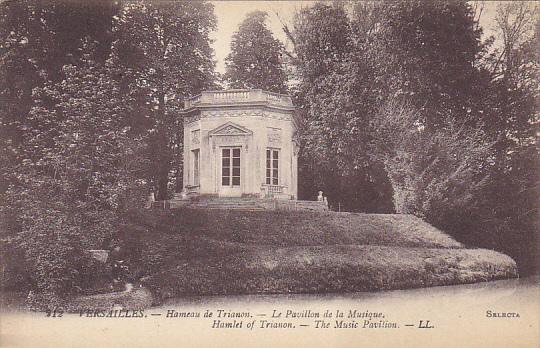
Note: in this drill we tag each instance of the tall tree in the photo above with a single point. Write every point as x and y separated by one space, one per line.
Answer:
93 123
255 60
334 89
428 53
435 174
491 95
321 36
510 215
350 67
164 49
37 38
465 156
79 173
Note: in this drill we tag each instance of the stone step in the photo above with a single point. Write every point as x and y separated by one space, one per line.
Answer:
236 203
226 205
239 202
233 208
228 202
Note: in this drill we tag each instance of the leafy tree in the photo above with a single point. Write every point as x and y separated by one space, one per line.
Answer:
434 175
36 39
493 100
80 170
334 91
164 52
515 23
90 124
328 90
427 53
321 36
255 60
349 67
514 70
338 139
510 199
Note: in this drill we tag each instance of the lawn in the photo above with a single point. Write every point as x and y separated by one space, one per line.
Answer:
196 252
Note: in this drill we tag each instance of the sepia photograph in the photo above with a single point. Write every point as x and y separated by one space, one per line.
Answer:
269 173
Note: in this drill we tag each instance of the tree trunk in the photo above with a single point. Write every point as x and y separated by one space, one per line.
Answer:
163 164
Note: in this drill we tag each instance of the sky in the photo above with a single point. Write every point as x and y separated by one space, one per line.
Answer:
231 13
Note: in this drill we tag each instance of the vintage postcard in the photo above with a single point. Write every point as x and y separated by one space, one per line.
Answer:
269 173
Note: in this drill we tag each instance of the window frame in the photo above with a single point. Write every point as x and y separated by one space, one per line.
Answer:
231 173
273 167
196 155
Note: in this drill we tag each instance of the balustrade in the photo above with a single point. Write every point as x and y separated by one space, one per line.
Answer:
240 96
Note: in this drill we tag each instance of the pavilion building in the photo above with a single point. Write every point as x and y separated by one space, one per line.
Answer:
240 143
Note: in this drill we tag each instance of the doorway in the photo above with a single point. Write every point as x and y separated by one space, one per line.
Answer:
231 180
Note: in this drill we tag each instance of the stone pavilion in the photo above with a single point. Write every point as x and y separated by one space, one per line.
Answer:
240 143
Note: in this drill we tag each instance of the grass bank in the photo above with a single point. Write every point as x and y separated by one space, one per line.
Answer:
214 252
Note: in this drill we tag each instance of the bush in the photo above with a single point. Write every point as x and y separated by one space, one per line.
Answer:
15 273
53 241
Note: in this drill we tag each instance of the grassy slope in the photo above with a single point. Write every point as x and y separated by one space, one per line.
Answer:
199 251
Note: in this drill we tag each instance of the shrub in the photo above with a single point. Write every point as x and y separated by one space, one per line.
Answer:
15 274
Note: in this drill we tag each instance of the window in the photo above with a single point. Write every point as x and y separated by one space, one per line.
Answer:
272 167
230 167
196 167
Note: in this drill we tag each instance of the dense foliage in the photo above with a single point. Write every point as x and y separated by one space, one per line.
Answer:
255 60
404 99
162 49
100 129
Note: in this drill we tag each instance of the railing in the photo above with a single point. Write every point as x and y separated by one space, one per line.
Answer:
239 96
229 95
272 190
193 101
190 189
278 98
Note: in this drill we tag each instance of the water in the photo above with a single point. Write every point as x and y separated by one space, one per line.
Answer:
458 315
